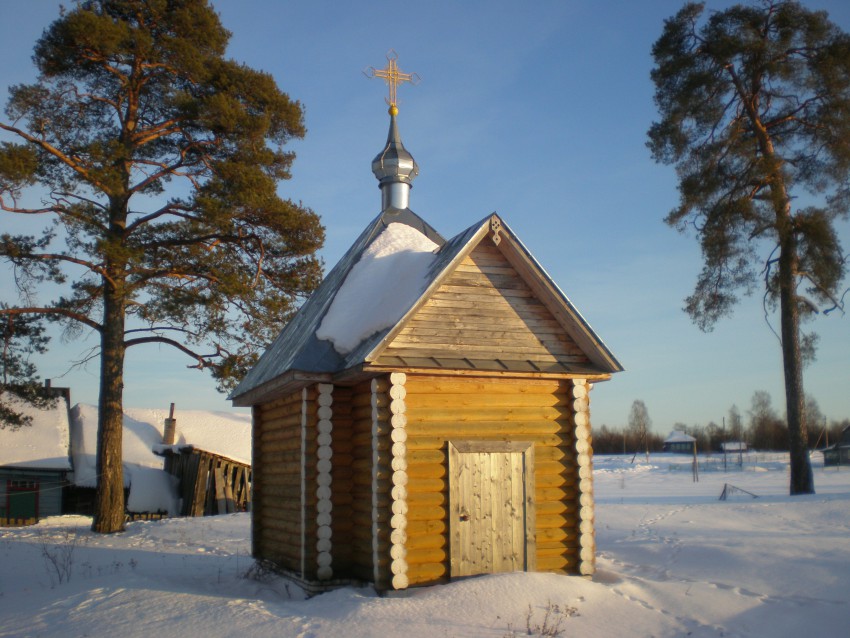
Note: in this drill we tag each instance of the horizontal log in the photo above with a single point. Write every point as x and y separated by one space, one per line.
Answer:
272 415
290 444
555 534
286 400
555 480
493 415
422 485
283 531
381 400
426 573
278 470
431 541
270 434
427 499
568 553
366 412
540 432
363 441
426 528
418 439
556 454
556 508
564 494
433 384
483 400
424 513
563 466
363 468
417 456
557 563
568 521
426 555
427 470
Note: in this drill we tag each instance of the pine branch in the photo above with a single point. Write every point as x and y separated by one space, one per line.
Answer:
55 312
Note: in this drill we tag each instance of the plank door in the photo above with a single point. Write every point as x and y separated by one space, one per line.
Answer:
491 508
22 496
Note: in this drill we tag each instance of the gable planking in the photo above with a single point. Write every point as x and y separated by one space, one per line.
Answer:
485 312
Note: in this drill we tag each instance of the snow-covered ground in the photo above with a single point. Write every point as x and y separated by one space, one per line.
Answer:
673 561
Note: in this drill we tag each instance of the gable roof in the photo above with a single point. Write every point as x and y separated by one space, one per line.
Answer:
298 355
677 436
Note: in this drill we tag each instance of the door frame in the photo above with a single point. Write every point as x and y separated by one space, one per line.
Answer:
526 450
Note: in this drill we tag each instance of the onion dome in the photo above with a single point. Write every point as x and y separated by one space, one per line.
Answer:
395 168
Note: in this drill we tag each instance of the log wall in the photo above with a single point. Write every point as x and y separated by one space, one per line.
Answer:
439 409
280 523
359 540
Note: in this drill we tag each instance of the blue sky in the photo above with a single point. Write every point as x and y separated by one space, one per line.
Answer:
537 111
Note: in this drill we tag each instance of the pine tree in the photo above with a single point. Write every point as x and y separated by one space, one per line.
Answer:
22 337
158 160
755 112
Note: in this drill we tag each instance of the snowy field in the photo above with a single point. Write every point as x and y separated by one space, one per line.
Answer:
673 560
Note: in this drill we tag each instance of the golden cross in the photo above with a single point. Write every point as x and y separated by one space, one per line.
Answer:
393 77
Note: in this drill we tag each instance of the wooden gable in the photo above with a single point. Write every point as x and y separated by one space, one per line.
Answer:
485 316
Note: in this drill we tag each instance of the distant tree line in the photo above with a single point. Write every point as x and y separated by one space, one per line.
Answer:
764 429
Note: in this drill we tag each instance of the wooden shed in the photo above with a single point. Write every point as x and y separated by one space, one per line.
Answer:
838 453
431 424
679 443
207 483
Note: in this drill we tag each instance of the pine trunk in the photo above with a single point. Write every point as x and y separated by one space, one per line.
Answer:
802 480
109 497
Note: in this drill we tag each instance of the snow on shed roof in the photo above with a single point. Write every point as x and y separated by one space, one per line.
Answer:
42 445
677 436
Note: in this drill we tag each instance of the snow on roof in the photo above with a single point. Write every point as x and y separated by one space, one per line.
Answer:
226 434
677 436
391 275
151 489
42 445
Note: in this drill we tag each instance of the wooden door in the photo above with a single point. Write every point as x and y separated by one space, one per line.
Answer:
491 507
22 497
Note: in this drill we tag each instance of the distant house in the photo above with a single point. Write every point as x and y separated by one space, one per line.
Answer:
838 453
733 447
35 463
679 443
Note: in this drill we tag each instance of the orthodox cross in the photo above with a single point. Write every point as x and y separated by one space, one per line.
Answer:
393 77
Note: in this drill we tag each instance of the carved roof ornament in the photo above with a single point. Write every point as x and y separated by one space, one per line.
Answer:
393 76
496 227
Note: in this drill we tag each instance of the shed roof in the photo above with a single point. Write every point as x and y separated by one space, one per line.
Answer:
41 445
298 355
677 436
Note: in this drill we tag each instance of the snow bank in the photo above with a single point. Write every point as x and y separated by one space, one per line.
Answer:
42 445
390 276
672 561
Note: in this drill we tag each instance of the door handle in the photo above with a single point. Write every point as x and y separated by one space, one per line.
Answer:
464 517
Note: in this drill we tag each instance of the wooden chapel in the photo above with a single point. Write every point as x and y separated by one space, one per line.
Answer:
425 415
